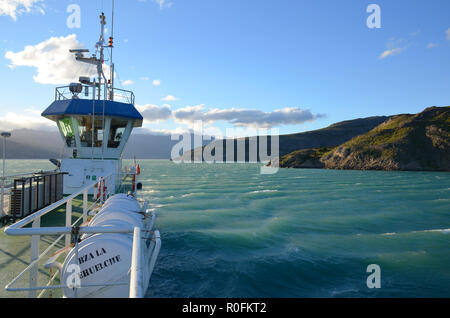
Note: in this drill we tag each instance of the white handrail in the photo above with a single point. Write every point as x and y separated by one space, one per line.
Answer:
68 230
136 272
157 240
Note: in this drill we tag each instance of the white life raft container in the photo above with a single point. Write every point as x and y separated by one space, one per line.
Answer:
117 211
105 258
123 200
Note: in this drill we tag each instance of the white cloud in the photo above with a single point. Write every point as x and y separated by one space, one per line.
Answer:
54 63
156 82
145 78
395 47
238 117
244 117
127 83
163 3
29 118
189 114
432 45
154 113
394 51
170 98
448 34
13 8
162 132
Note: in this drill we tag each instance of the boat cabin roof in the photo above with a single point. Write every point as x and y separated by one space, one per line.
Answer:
83 107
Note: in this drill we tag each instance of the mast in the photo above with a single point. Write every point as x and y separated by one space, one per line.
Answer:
102 57
111 39
100 46
93 59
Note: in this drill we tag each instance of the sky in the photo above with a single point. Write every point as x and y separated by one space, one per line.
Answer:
293 65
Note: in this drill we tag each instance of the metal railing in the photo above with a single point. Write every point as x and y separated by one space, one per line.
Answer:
120 95
136 286
7 183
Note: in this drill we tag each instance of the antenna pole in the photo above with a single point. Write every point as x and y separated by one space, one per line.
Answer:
102 57
111 94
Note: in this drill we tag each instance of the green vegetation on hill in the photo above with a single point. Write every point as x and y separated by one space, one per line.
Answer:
404 142
306 158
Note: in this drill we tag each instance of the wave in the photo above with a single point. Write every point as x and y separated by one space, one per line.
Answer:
157 206
187 195
148 191
443 231
264 191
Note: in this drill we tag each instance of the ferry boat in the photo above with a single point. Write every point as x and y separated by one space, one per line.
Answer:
109 249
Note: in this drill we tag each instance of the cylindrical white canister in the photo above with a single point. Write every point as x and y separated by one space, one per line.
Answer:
104 258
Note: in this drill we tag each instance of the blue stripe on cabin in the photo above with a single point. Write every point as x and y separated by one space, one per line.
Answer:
84 107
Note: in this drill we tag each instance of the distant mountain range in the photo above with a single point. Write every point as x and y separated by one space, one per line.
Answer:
35 144
418 142
331 136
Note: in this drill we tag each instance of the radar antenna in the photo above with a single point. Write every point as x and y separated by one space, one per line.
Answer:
99 61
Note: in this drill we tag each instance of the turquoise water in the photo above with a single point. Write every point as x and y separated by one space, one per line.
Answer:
228 231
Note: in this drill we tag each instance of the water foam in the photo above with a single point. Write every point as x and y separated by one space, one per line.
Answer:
264 191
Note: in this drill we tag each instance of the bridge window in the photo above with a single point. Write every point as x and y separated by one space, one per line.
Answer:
85 131
116 132
65 125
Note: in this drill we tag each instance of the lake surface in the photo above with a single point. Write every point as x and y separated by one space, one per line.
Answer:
228 231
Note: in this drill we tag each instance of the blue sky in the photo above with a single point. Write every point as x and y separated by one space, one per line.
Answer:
233 60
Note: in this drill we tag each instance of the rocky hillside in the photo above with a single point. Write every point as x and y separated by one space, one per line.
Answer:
404 142
305 158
